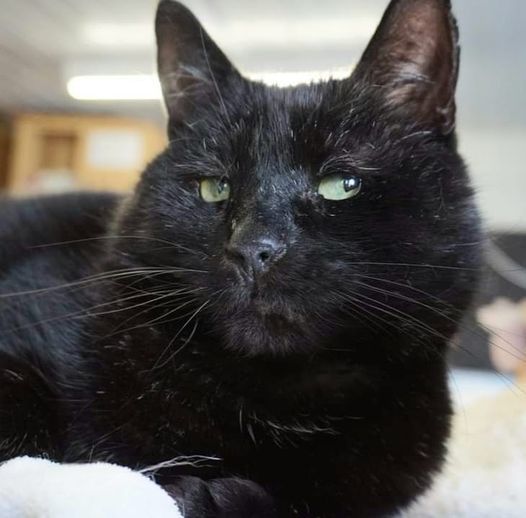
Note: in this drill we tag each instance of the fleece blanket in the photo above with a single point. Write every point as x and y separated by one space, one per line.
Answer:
485 476
38 488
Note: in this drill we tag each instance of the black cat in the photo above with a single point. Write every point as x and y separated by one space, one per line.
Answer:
272 306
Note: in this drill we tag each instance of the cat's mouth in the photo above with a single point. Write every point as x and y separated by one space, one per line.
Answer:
267 316
273 333
267 324
274 310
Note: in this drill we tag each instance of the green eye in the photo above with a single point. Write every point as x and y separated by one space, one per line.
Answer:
339 187
214 190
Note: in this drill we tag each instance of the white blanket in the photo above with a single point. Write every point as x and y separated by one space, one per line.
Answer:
37 488
485 476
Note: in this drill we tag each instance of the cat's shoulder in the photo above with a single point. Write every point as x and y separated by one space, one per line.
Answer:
76 205
28 223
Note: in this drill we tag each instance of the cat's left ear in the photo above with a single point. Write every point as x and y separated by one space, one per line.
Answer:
413 60
192 69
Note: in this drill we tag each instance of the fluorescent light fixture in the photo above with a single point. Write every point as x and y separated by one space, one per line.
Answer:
144 87
130 36
245 33
278 33
138 87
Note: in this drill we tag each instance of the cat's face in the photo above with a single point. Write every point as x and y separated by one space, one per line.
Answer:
294 208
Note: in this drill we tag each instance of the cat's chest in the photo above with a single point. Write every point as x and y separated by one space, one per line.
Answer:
210 420
205 405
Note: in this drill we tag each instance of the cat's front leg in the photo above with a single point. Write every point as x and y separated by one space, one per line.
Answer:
221 498
29 411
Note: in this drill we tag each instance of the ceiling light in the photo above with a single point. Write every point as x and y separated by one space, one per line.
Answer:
143 87
245 33
123 36
299 33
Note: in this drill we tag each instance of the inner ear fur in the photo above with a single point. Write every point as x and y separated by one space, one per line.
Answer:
413 60
192 68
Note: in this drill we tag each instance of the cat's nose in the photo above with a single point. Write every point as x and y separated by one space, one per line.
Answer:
256 257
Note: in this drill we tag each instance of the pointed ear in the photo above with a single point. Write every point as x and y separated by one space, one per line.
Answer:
192 69
413 58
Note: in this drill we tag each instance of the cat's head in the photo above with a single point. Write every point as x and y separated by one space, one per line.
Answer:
295 210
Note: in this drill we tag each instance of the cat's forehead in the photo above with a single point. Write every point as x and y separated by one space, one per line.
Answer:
264 131
275 122
288 107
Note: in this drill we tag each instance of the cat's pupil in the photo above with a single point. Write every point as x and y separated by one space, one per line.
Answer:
222 185
351 183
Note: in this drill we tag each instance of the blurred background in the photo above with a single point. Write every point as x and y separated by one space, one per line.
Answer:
68 57
80 108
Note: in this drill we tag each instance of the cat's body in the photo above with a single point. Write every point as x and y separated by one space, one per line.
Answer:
267 325
293 426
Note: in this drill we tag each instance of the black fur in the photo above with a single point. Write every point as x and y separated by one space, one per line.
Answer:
314 387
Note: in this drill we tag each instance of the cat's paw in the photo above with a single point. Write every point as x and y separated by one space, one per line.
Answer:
221 498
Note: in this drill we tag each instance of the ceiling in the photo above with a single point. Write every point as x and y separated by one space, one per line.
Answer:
44 42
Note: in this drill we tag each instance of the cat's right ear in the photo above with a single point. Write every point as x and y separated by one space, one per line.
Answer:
192 69
412 61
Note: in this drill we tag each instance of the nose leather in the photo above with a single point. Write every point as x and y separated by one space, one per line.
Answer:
255 256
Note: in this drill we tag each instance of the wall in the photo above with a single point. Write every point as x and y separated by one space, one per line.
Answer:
497 161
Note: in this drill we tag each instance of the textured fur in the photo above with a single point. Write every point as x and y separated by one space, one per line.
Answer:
318 386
